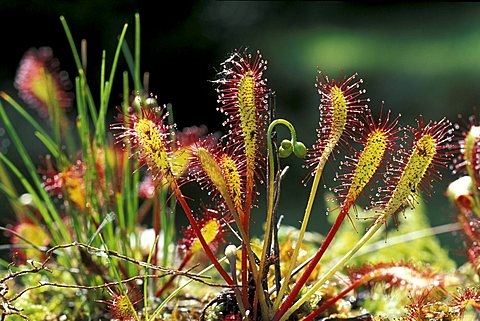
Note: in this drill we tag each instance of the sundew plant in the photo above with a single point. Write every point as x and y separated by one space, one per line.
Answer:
94 234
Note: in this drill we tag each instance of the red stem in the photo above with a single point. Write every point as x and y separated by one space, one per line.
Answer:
169 282
330 302
198 232
313 263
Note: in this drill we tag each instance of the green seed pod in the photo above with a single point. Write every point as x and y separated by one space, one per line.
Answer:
286 144
300 150
285 149
284 153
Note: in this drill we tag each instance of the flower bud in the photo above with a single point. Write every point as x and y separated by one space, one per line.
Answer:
284 153
285 148
286 144
300 150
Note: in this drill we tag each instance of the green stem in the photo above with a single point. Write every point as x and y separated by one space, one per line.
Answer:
306 217
128 186
78 63
136 78
404 238
52 212
159 202
271 185
164 224
32 122
145 280
84 126
115 62
114 266
316 258
47 217
105 89
124 196
127 54
76 56
168 226
54 115
12 192
340 264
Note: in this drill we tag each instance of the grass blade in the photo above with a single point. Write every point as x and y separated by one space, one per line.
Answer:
78 62
47 142
100 123
34 124
137 83
33 174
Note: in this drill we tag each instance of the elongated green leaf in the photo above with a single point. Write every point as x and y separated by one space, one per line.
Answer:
100 123
78 62
36 199
32 172
137 82
34 124
47 142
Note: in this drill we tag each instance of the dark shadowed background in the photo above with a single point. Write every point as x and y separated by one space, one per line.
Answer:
419 58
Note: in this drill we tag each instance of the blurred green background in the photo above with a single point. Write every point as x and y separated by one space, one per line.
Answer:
420 58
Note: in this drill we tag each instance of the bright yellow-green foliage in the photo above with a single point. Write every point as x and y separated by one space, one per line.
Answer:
209 233
339 106
232 178
179 161
152 146
339 120
368 162
214 172
417 165
248 118
43 85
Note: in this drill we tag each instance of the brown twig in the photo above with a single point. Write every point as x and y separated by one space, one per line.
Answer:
120 256
105 285
7 308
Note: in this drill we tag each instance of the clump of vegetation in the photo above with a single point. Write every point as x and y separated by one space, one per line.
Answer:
95 233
